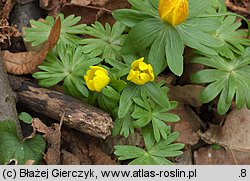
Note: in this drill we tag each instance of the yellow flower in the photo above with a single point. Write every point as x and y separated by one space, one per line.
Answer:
97 78
173 12
140 72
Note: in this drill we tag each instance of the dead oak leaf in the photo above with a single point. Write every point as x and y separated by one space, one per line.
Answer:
26 62
234 134
208 156
53 137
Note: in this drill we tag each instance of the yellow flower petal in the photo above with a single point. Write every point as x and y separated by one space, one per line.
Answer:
165 7
144 77
97 78
143 66
140 72
100 82
90 85
135 64
131 74
173 12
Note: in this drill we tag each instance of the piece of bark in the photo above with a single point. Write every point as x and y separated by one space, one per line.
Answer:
77 115
7 100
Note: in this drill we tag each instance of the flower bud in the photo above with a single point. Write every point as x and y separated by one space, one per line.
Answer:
97 78
173 12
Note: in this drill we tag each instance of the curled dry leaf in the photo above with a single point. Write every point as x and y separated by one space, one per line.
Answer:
99 157
53 137
235 132
233 135
26 62
208 156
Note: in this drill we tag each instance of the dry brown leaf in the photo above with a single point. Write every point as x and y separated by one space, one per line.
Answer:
81 2
235 132
188 125
99 157
208 156
53 137
186 158
108 144
77 146
26 62
188 94
69 159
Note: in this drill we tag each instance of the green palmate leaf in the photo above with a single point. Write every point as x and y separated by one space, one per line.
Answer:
156 55
223 105
123 126
212 90
156 94
39 31
159 129
233 80
130 17
148 136
192 37
118 85
145 6
234 39
168 117
119 69
141 122
174 50
111 93
66 63
208 75
143 34
155 154
25 117
126 100
128 152
107 42
166 41
208 24
106 103
148 113
13 148
197 7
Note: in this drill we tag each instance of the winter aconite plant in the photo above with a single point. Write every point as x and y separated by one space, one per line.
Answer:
39 31
116 67
165 27
229 78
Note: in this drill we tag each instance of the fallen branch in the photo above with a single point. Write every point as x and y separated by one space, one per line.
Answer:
77 115
7 100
